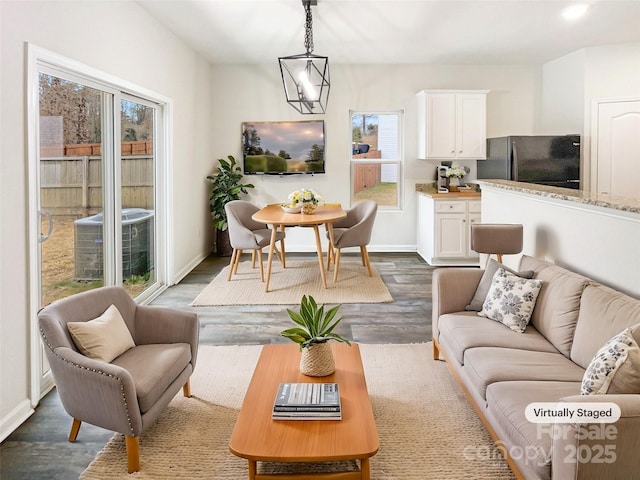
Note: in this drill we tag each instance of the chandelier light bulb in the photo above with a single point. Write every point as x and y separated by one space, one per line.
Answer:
307 88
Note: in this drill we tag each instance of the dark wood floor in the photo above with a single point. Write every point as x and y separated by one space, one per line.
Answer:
39 448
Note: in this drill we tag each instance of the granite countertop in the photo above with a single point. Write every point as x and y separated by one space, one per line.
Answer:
625 204
430 190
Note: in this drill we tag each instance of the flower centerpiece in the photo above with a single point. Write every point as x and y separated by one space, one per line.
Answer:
454 174
307 199
314 330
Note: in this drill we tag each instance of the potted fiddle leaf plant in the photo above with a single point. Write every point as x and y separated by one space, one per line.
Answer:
226 185
315 329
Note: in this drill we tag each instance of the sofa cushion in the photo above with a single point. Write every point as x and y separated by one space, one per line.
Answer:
615 367
556 311
510 300
153 368
506 403
485 283
460 331
103 338
486 365
603 314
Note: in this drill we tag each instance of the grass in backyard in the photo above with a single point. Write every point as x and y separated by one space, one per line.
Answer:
385 193
57 266
65 288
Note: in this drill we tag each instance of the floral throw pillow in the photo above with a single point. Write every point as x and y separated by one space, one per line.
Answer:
615 368
511 300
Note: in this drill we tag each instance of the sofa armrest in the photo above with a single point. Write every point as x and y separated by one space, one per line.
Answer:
452 290
167 325
96 392
599 450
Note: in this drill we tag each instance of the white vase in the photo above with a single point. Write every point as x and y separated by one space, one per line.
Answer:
453 183
317 360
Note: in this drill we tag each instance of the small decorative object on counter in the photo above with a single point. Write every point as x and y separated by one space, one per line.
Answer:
454 174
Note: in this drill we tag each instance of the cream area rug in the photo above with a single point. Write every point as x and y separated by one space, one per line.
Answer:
426 427
288 285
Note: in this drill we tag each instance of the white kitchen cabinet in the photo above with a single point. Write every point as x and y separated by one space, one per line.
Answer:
452 124
444 230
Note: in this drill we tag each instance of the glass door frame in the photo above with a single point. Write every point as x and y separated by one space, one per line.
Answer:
42 60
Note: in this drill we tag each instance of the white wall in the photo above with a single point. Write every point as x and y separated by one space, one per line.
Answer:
120 39
512 107
563 84
597 242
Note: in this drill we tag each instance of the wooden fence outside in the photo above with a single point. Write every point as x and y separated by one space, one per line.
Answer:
365 176
72 185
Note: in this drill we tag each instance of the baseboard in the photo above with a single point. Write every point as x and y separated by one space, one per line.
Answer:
15 418
187 269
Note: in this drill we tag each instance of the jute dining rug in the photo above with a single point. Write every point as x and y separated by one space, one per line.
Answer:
288 285
426 428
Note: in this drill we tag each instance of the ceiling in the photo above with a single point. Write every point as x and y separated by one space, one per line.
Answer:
396 31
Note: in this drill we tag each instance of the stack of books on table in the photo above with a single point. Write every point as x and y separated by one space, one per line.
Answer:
307 401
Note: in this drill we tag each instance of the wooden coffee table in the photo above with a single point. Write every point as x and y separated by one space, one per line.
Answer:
257 437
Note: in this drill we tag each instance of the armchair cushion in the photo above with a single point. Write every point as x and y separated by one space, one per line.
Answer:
103 338
153 368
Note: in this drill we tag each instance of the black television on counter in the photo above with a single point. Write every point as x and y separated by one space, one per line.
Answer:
283 148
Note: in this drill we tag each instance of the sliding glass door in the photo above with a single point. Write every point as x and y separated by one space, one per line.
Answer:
137 195
98 192
96 199
71 133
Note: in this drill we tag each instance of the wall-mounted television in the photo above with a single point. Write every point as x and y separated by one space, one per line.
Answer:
283 148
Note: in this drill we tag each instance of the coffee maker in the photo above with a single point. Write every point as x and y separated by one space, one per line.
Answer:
441 179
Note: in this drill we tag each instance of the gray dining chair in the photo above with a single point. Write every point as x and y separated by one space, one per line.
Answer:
247 234
353 231
128 392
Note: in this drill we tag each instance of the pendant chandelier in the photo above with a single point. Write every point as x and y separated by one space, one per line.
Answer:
306 76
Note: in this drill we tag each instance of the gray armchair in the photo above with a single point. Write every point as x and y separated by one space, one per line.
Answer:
353 231
247 234
127 394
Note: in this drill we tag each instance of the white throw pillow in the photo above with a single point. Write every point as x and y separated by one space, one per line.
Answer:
485 283
615 368
511 300
103 338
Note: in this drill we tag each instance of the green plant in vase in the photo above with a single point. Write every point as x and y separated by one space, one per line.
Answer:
226 185
315 329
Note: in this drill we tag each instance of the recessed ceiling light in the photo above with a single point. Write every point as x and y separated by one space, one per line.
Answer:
575 11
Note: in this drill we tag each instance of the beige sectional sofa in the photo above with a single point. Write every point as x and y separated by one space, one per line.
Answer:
503 371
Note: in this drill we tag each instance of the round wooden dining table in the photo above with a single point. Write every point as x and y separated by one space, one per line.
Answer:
275 216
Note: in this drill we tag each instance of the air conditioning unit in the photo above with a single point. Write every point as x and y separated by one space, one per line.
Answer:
137 244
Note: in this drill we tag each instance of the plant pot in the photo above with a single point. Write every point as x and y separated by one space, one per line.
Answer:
317 360
223 244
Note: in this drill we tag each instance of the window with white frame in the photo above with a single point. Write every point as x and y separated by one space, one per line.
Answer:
376 157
